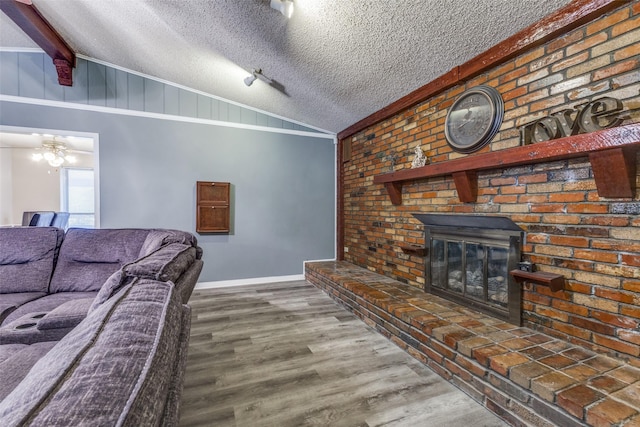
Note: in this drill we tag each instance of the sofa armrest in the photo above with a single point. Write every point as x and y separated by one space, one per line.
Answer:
119 359
67 315
23 330
188 280
166 264
171 415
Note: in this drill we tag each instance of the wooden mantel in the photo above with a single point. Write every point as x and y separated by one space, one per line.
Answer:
612 153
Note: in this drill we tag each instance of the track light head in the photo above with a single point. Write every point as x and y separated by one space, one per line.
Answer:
283 6
252 78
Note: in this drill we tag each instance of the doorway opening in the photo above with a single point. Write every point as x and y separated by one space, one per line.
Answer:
29 182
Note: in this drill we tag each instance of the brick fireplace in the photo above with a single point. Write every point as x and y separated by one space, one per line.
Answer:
573 231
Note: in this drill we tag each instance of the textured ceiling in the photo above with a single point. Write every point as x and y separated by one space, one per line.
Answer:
337 61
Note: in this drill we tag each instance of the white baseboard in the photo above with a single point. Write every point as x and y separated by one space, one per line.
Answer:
245 282
256 280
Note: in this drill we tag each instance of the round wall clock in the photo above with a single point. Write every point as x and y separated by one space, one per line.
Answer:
474 119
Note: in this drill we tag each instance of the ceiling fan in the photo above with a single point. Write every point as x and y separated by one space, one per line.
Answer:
54 151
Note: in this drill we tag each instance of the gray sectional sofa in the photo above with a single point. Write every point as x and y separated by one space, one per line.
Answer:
94 325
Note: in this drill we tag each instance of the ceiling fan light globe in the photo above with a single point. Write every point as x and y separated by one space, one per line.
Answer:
56 162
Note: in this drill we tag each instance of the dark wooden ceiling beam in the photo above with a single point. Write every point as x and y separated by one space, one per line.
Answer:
29 19
571 16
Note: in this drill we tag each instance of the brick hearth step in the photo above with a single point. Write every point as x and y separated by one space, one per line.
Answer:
526 377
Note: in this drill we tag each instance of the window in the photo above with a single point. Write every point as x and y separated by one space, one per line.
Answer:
78 197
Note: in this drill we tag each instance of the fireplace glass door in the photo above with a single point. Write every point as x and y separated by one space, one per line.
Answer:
472 269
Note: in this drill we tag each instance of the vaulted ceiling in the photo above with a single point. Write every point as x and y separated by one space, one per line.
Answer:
332 63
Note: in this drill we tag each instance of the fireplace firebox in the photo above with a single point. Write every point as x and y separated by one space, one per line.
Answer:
468 259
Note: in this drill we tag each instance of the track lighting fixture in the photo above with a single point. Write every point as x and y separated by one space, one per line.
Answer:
252 78
285 7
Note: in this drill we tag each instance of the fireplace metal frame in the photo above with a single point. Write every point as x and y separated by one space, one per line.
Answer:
494 232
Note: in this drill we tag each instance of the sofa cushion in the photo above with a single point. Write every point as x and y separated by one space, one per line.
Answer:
6 351
27 258
46 304
88 257
10 302
118 362
15 362
158 238
66 315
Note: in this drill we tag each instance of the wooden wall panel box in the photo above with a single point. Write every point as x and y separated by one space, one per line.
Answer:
212 207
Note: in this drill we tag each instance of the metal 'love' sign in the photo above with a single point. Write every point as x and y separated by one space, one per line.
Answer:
596 115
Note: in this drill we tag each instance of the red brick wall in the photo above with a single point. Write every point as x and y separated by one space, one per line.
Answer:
594 242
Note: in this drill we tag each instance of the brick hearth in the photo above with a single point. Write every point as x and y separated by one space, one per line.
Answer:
524 376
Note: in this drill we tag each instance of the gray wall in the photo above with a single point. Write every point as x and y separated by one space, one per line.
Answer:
282 185
283 197
32 75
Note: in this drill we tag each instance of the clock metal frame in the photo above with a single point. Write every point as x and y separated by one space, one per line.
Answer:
493 121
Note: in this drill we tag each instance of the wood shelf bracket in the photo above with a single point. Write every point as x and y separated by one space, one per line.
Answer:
467 185
614 171
395 192
552 280
414 250
65 72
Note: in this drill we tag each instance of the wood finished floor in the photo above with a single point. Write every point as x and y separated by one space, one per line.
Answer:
286 354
